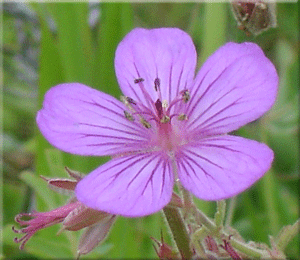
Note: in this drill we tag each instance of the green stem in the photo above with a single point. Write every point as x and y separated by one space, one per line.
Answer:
230 211
269 188
202 219
179 231
247 250
220 214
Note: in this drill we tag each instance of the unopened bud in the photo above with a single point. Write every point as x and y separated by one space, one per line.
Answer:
254 16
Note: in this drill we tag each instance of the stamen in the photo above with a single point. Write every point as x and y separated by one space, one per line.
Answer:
185 95
128 116
124 100
127 100
165 119
145 123
138 80
165 104
182 117
157 87
138 109
159 108
148 98
157 84
130 101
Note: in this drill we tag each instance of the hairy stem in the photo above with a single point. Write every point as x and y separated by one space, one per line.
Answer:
179 231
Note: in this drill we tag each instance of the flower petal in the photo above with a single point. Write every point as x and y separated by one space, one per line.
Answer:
222 166
236 85
81 120
166 53
130 186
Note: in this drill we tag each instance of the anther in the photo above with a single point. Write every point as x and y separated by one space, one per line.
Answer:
128 116
157 84
164 103
124 100
185 95
139 80
182 117
145 123
127 100
130 100
159 108
165 119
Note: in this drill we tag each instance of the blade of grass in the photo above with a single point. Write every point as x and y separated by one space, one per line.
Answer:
74 40
116 21
214 29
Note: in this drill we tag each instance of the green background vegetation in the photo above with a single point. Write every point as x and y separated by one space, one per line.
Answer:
48 44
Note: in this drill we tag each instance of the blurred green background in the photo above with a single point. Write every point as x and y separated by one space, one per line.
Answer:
51 43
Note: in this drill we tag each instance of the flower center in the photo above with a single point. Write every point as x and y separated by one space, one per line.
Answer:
168 136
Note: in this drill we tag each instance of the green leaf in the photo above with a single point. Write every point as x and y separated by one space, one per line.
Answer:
116 21
47 199
214 29
74 40
55 162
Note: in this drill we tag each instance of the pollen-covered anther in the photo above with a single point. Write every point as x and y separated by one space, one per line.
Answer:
165 104
185 95
127 101
165 119
128 116
124 100
145 123
182 117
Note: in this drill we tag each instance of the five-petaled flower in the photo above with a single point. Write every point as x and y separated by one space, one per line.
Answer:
169 126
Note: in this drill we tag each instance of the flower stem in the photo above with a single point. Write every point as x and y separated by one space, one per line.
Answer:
246 249
179 231
230 211
202 219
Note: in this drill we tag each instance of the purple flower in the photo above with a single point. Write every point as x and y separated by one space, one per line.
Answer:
169 126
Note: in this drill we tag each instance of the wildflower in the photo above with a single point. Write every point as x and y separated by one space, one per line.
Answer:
73 216
169 125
